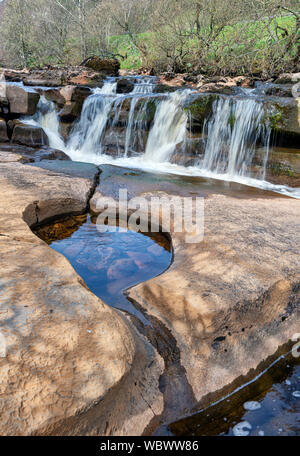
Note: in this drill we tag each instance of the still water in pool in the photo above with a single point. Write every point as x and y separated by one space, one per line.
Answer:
111 262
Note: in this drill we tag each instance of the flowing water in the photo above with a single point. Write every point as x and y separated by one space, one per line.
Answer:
232 134
119 129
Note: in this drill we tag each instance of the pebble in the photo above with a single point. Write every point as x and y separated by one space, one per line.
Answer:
252 405
242 429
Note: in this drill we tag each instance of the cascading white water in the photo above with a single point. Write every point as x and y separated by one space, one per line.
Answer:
231 137
169 128
87 133
46 117
231 133
141 88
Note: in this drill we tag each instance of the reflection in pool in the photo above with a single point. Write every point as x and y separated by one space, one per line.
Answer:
111 262
269 406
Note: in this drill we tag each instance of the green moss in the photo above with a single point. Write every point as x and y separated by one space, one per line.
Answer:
145 110
231 120
282 169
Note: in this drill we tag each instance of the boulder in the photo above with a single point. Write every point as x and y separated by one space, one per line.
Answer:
53 95
3 131
280 90
74 98
29 135
107 67
199 108
283 116
79 94
21 101
70 111
125 86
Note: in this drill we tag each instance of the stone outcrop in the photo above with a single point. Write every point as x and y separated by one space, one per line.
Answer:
283 115
71 364
21 101
124 86
55 77
199 108
29 135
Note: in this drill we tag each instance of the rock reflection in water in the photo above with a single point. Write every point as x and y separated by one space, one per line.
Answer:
109 263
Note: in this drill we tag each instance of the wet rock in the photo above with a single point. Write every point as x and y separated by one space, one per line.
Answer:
4 105
47 153
125 86
65 129
199 108
29 135
53 95
107 67
3 131
74 98
33 154
280 90
70 112
21 101
283 116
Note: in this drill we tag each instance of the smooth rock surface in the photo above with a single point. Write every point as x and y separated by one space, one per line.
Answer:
72 365
21 101
29 135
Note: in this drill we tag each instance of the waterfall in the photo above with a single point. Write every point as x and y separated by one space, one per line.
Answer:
169 128
87 133
148 130
231 136
47 118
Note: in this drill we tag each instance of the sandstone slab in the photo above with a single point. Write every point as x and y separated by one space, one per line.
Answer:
232 301
71 365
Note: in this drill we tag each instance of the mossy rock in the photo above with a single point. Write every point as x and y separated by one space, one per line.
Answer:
145 109
199 107
283 115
